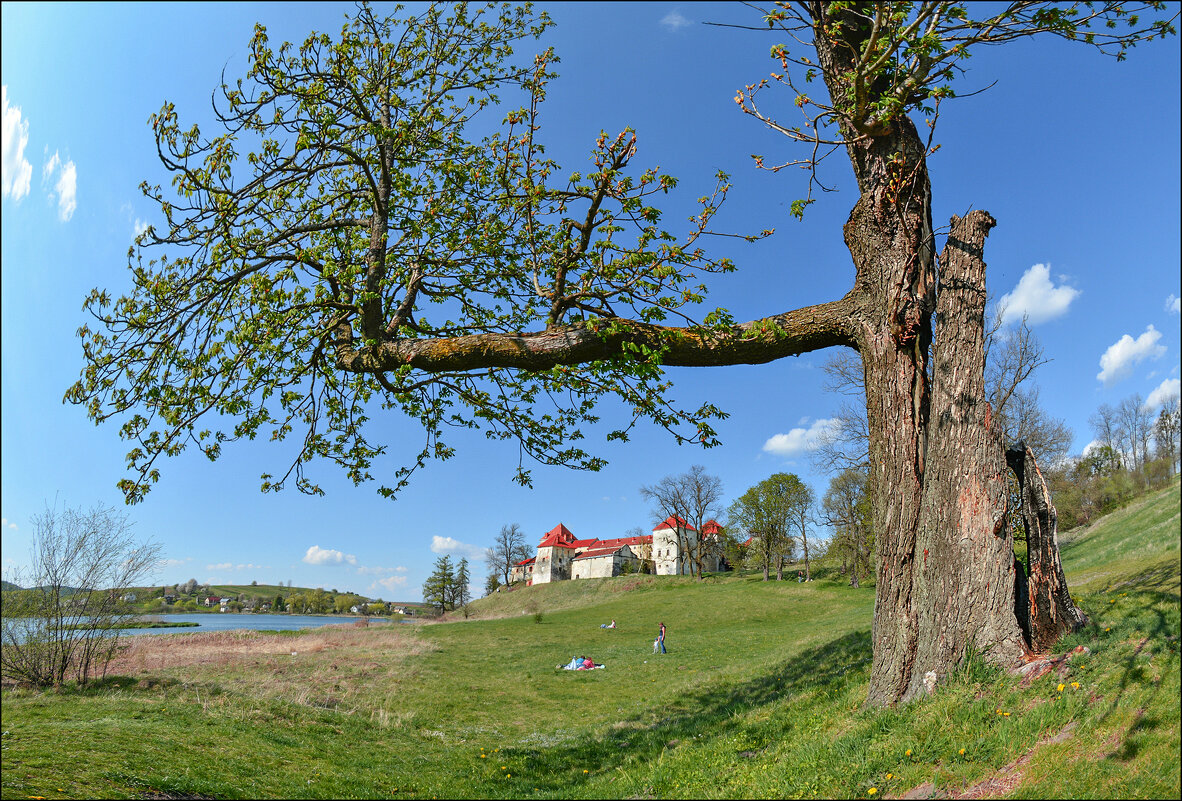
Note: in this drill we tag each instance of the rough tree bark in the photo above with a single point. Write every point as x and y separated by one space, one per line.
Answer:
889 237
1052 612
963 575
945 559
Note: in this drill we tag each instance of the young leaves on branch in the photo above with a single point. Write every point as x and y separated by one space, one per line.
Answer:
348 242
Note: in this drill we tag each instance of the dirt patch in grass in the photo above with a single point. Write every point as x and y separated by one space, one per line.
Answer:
1010 776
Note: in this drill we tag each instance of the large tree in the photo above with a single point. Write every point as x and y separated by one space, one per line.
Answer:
507 550
773 513
344 246
846 510
439 588
692 497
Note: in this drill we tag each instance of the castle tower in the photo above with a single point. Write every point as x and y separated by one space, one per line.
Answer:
555 552
667 551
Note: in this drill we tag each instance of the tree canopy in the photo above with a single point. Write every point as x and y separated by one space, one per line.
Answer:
342 245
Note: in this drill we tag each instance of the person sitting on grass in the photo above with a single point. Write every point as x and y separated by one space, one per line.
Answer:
611 625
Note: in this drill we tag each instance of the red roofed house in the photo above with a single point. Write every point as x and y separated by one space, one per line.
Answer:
561 556
522 571
673 537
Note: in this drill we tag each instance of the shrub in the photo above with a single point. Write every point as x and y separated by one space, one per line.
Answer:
68 622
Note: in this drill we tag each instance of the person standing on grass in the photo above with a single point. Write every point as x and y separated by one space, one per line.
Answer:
661 638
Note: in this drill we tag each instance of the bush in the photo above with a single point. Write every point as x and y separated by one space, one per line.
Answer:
68 623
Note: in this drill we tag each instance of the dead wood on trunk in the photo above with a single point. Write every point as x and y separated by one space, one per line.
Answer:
1052 612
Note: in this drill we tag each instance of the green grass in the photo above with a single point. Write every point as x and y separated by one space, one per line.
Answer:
761 695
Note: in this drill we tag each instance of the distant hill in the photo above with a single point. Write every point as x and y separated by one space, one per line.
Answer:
8 585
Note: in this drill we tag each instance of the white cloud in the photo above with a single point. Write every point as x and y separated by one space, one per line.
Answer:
178 562
1170 388
799 440
5 524
1036 297
221 566
140 226
66 186
1174 303
327 556
17 172
389 583
674 21
1120 358
442 545
50 166
1087 449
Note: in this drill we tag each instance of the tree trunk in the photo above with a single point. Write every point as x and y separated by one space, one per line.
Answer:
963 581
1052 612
889 238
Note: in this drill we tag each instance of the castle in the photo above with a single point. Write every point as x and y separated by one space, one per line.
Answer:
561 556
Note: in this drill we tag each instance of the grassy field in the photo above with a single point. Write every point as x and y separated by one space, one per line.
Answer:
760 695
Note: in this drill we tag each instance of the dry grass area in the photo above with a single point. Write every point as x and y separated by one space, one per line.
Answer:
344 666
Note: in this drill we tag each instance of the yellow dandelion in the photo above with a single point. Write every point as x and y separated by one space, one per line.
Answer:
1005 714
503 767
584 770
483 756
1059 688
508 775
1058 697
907 752
890 775
872 791
1109 628
1075 685
1112 601
961 752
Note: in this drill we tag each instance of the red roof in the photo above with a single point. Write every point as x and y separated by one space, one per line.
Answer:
711 527
559 535
644 539
594 552
526 561
674 523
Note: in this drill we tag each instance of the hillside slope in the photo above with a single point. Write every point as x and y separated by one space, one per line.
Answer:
760 695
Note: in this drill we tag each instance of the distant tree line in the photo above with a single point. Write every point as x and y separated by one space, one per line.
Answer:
1133 450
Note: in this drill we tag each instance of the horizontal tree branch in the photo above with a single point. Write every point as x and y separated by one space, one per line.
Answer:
755 342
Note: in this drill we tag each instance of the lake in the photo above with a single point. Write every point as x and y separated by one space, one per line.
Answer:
226 621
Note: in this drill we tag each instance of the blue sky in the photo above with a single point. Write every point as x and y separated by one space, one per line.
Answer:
1074 154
